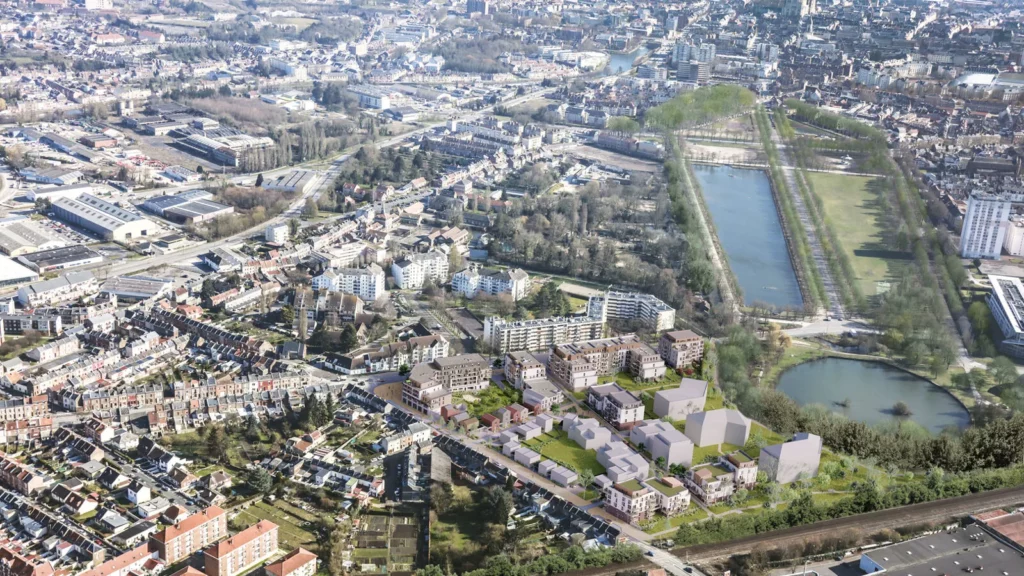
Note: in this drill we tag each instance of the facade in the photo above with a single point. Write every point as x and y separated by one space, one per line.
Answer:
713 483
636 501
391 357
793 460
192 534
475 280
71 286
524 372
621 408
107 220
367 283
430 385
276 234
722 426
984 226
1006 301
540 334
633 306
678 403
411 272
681 348
247 548
578 366
662 440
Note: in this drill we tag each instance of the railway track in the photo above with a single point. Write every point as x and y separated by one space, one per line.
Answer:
870 522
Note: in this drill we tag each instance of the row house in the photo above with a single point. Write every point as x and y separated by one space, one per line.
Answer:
26 432
128 397
24 408
54 349
86 370
22 477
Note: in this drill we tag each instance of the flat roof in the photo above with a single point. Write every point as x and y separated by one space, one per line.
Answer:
949 553
197 208
11 271
58 256
1009 292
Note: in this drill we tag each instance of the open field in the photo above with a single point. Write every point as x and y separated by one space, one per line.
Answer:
489 399
557 446
853 208
661 523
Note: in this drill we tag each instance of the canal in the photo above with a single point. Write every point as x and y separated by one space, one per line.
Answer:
749 230
869 390
622 62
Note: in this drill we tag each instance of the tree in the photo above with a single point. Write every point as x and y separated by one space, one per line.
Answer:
310 210
252 428
430 570
260 480
349 339
441 497
901 409
259 180
293 227
403 369
217 443
224 90
288 315
1003 370
498 504
585 477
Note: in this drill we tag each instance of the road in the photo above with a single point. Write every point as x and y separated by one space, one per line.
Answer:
818 328
869 523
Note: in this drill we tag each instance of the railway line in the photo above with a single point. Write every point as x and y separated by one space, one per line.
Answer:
870 522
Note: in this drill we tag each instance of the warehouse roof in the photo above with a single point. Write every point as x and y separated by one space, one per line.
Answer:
59 256
11 271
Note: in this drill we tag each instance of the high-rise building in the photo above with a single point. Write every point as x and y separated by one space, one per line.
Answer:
539 334
478 7
643 308
985 226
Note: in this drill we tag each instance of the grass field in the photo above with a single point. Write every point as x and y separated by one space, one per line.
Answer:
489 399
557 446
291 534
700 454
661 523
853 208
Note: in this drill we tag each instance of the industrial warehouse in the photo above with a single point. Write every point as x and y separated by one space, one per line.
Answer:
191 207
103 218
60 258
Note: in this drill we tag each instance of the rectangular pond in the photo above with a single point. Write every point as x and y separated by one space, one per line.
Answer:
749 230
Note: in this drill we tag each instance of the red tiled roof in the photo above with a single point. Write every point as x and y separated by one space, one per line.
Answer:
241 539
190 523
290 563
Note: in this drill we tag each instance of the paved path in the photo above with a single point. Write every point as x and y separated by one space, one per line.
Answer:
820 262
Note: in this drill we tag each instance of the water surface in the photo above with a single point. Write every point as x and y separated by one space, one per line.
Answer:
872 388
749 230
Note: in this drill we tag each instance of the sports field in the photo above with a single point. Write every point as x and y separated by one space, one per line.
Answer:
853 207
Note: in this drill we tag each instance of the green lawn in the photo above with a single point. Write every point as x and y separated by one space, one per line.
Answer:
625 380
853 208
291 534
699 454
569 454
489 400
661 523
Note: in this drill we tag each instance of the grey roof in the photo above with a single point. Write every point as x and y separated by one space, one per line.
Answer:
688 388
56 283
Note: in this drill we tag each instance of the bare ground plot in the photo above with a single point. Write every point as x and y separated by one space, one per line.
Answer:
738 154
467 321
854 206
614 158
159 148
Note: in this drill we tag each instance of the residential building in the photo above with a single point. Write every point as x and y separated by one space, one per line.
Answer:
578 366
1006 301
241 551
681 348
22 478
984 225
621 463
430 384
475 280
633 306
416 432
678 403
298 562
587 432
793 460
636 501
618 406
520 367
540 334
71 286
714 427
192 534
414 269
524 372
713 483
663 440
391 357
276 233
367 283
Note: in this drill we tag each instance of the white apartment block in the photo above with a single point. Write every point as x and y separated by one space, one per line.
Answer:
578 365
412 271
984 226
276 234
540 334
633 306
1013 242
367 283
636 501
475 280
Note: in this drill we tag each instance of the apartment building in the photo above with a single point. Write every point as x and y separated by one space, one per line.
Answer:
22 478
474 280
633 306
192 534
619 407
579 365
792 460
367 283
678 403
391 357
71 286
637 501
243 550
985 224
430 385
662 440
524 372
713 483
681 348
414 269
540 334
298 562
